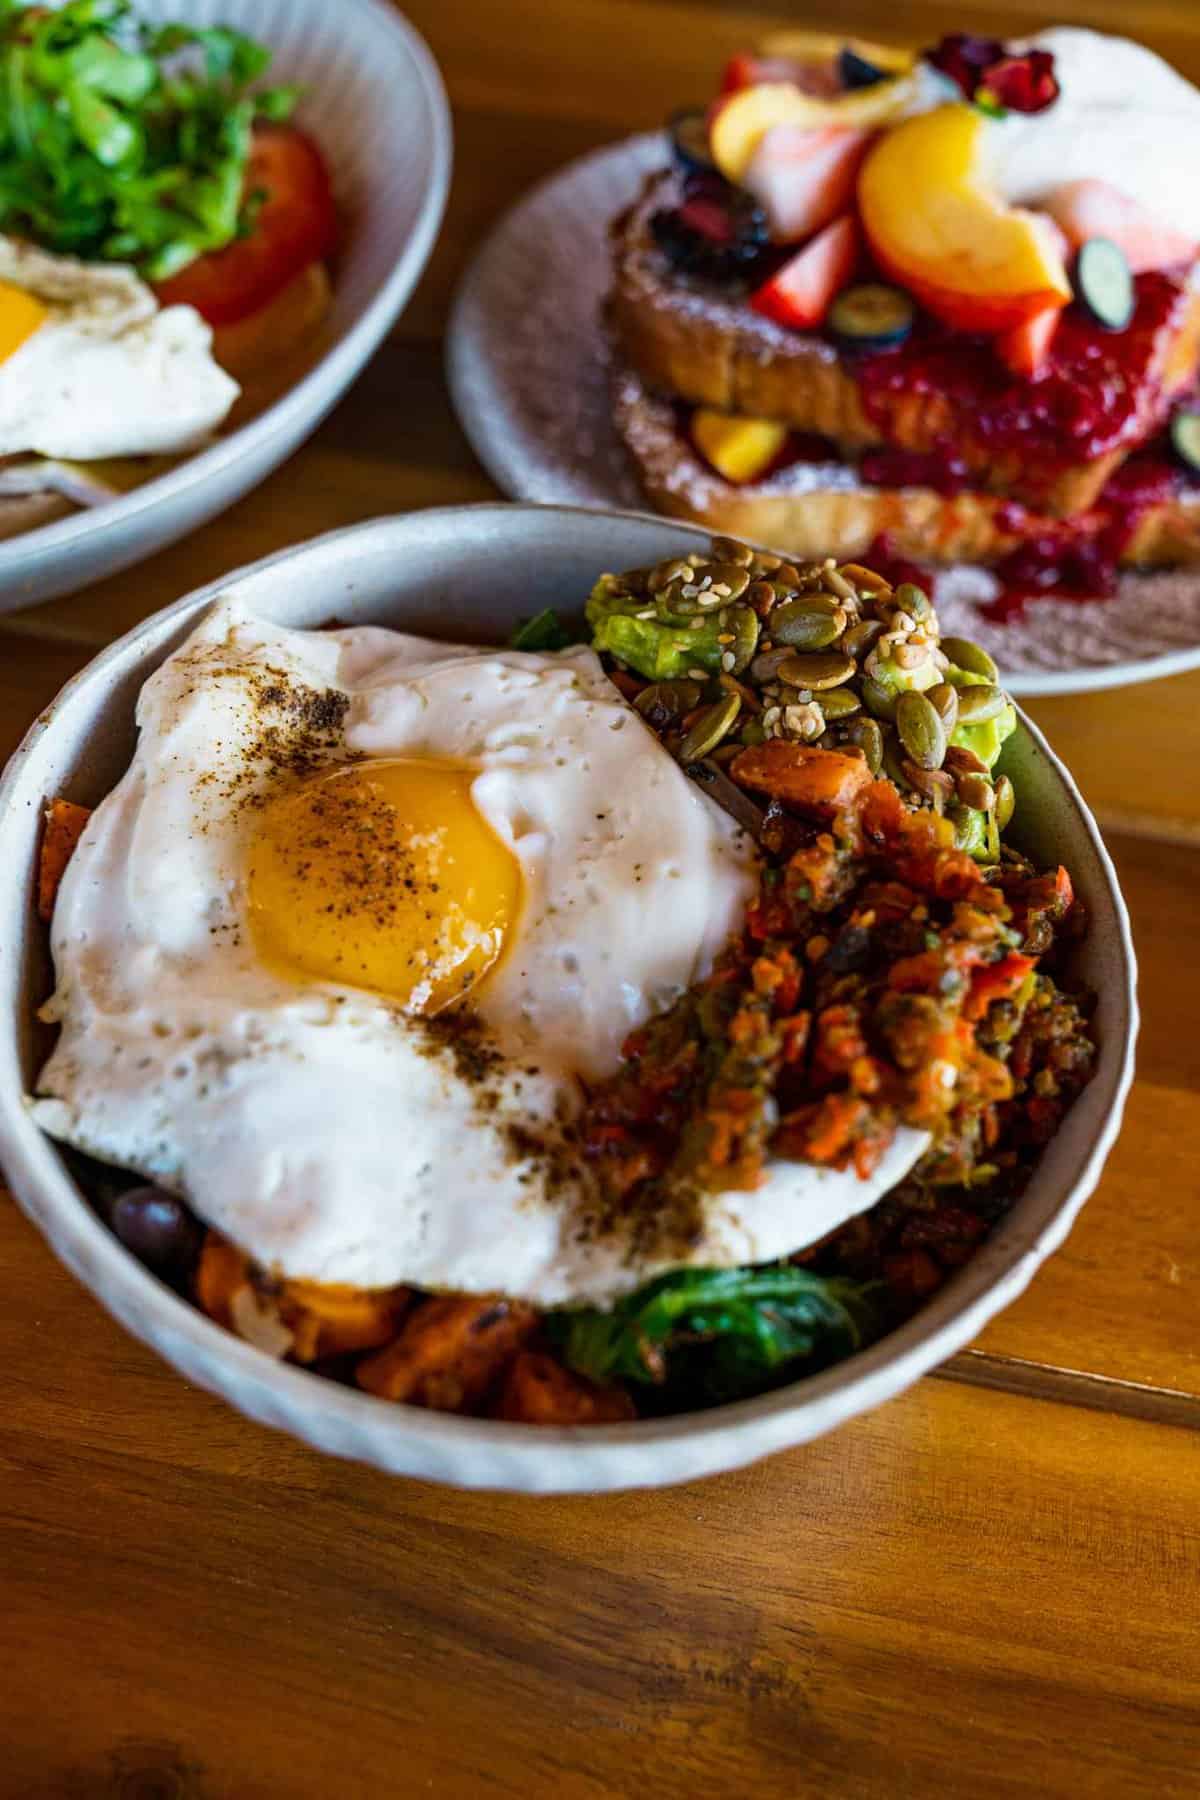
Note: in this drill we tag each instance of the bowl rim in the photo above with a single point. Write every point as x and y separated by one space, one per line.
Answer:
333 370
407 1439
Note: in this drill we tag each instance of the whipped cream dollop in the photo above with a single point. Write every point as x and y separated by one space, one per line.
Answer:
1123 116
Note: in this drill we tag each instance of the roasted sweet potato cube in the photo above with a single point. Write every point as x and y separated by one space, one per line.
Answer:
818 783
450 1352
539 1390
64 827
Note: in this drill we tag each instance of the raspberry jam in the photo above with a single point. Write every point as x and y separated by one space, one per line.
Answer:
1099 390
1080 559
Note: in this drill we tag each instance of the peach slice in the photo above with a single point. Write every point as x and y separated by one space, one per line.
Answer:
738 448
935 229
1090 209
738 122
802 179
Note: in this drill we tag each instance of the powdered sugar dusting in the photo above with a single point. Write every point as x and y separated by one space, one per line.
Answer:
532 381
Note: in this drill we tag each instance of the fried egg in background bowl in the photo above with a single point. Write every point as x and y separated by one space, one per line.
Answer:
468 575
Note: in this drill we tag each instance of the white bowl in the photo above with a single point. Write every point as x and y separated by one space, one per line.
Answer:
470 572
373 99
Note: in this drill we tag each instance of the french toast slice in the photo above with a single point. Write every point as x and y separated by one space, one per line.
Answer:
825 508
701 341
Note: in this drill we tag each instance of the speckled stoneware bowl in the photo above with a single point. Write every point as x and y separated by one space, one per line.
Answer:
373 99
469 573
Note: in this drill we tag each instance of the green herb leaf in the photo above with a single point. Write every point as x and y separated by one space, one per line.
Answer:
123 142
722 1334
545 631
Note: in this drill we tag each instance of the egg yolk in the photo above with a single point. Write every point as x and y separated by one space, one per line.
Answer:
383 875
21 314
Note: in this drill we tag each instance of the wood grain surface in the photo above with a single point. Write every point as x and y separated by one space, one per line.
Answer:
990 1588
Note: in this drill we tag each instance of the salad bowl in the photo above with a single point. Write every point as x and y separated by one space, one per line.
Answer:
372 98
469 574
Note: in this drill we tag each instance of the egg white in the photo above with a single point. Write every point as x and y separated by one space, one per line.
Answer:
321 1128
108 373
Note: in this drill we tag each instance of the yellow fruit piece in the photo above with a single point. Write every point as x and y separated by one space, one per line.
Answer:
739 449
826 46
741 121
937 229
21 313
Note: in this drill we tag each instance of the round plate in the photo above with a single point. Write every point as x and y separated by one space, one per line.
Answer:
373 100
467 574
529 373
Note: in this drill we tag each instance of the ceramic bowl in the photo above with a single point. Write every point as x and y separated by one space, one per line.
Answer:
374 101
468 573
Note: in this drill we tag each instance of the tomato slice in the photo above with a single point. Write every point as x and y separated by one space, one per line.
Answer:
295 225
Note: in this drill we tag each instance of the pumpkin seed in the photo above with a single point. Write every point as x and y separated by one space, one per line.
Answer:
961 761
1006 802
972 657
728 550
977 791
921 730
912 599
765 667
840 703
964 825
787 575
743 623
868 737
713 724
975 704
810 623
753 734
894 760
944 700
730 575
817 670
761 596
673 568
865 580
636 581
877 699
934 784
862 638
837 584
663 702
765 561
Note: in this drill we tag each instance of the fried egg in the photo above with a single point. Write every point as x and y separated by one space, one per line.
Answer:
341 952
91 366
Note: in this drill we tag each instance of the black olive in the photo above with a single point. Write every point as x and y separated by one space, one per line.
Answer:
158 1229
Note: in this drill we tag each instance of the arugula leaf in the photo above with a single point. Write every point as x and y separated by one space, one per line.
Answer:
545 631
722 1334
126 142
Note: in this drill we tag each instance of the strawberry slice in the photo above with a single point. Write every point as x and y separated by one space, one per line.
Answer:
1091 209
801 293
1024 348
803 178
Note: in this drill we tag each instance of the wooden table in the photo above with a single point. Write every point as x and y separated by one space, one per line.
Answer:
990 1587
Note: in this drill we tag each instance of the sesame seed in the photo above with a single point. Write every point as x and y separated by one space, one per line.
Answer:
648 614
728 660
698 674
